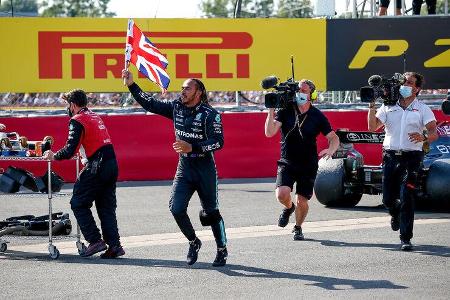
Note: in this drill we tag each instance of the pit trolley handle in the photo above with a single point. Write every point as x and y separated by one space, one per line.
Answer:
53 251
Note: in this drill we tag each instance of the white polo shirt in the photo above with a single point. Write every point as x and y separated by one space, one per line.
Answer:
398 122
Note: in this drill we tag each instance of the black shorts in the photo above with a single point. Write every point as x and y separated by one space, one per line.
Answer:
385 3
304 177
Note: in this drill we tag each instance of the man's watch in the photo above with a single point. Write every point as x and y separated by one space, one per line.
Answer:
425 136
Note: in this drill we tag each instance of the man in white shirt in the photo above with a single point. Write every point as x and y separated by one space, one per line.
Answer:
404 124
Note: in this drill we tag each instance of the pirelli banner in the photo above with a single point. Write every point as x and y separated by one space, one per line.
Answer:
358 48
55 54
58 54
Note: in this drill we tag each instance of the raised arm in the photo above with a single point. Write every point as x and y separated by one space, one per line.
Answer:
271 126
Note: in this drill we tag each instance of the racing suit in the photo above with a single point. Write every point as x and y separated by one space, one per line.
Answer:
201 126
97 180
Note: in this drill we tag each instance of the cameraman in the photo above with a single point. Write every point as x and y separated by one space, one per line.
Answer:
404 124
300 124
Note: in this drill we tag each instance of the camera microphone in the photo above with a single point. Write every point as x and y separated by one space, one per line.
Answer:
375 80
269 82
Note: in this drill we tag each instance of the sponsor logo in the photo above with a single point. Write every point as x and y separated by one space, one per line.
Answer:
392 48
217 119
86 63
196 123
364 137
198 117
443 130
445 149
211 147
189 134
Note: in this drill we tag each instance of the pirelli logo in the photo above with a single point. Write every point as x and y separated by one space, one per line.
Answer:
87 48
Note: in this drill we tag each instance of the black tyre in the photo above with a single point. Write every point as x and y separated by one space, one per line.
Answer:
437 184
329 185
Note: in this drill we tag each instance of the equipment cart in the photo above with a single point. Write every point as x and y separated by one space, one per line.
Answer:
53 251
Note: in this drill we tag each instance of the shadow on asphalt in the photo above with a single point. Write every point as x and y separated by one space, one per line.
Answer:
169 182
433 250
329 283
381 209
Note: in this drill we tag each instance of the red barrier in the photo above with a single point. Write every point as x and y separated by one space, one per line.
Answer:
143 144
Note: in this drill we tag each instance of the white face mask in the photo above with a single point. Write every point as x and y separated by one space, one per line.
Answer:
301 98
405 91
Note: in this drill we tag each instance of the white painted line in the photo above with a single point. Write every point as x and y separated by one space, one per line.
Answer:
128 242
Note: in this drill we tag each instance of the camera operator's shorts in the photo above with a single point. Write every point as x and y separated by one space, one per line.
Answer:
287 175
385 3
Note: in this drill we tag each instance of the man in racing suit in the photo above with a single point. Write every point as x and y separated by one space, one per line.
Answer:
198 133
97 180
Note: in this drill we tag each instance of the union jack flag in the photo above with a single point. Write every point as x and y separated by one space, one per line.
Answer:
145 56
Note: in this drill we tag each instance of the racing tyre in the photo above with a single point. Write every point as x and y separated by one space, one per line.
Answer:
437 184
329 185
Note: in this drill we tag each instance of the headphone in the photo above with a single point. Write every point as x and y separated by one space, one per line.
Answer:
313 93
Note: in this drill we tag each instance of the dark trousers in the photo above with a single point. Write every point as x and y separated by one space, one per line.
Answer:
417 5
196 174
400 179
98 187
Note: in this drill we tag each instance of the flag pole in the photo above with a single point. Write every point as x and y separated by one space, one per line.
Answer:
127 64
127 55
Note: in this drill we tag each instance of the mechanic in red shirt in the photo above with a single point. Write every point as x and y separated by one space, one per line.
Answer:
97 181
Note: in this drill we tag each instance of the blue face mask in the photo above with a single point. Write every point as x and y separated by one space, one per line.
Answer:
405 91
301 98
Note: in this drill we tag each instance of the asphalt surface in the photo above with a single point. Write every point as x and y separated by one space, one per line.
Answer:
348 253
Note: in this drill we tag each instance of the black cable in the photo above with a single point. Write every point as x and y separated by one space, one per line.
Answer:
246 99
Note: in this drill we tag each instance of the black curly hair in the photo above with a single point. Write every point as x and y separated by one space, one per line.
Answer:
201 87
76 96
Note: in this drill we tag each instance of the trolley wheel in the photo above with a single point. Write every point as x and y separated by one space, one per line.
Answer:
5 144
3 247
54 252
81 248
23 141
49 139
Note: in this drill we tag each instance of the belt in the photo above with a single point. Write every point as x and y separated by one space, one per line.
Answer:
193 155
401 152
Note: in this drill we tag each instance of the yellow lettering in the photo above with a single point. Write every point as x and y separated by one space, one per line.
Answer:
440 60
371 49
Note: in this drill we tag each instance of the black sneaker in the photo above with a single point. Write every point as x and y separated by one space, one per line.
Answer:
113 252
283 220
298 234
395 222
93 248
406 246
194 247
221 258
